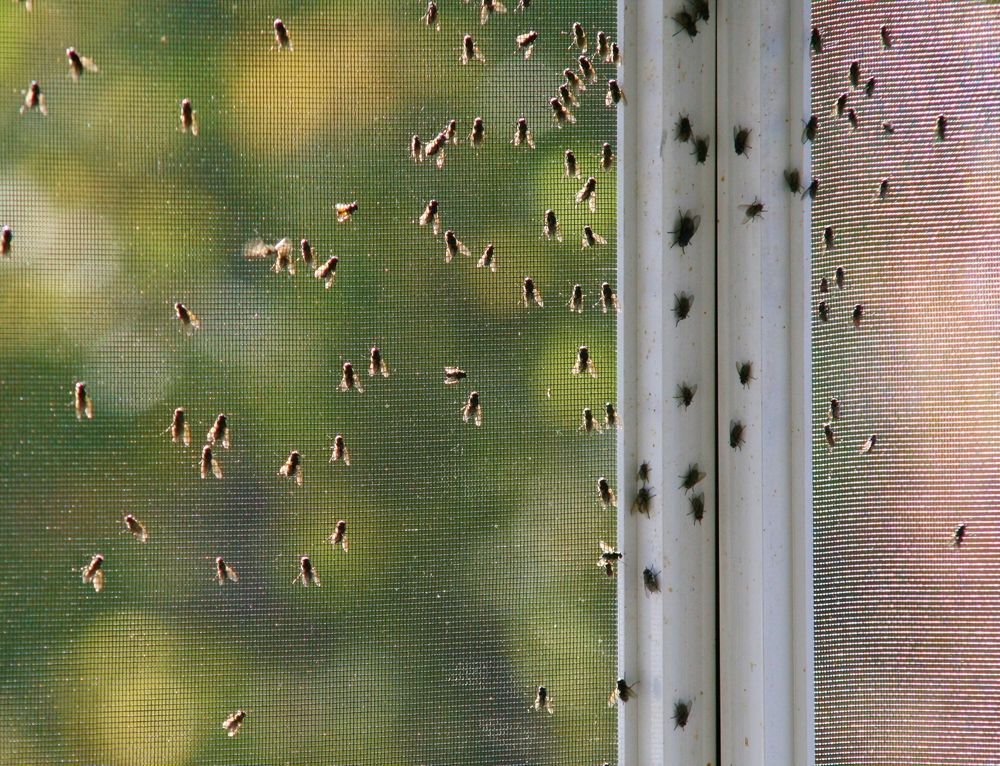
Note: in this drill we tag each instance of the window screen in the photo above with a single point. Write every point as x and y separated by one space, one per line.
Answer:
905 476
470 578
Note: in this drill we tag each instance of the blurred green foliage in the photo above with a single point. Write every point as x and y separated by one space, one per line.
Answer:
471 574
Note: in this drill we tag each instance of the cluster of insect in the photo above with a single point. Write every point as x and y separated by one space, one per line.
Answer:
858 89
285 258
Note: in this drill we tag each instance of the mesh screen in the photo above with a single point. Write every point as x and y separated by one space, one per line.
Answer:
471 577
906 538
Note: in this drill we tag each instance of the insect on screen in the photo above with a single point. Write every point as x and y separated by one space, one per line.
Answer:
905 307
281 306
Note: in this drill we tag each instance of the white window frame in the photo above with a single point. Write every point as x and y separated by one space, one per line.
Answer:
735 636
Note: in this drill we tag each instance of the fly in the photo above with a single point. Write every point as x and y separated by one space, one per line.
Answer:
958 535
809 131
522 135
453 375
686 22
696 509
683 131
470 51
622 693
682 711
543 701
575 303
591 238
224 573
611 419
569 163
857 314
603 47
682 306
233 722
377 364
82 402
340 451
834 411
605 494
307 573
209 464
430 216
189 118
609 558
588 194
473 409
345 210
551 227
219 432
530 293
691 477
869 444
578 37
478 134
754 210
793 180
737 434
574 81
589 425
607 156
292 468
188 319
854 73
136 528
567 96
830 436
489 7
34 100
328 271
560 114
93 573
584 362
349 380
685 228
339 536
941 127
741 140
486 261
615 94
608 299
587 71
79 64
526 43
701 149
745 372
651 579
816 41
180 429
453 246
431 18
282 41
306 253
685 394
643 500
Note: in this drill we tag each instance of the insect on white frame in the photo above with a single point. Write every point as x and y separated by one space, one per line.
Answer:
669 645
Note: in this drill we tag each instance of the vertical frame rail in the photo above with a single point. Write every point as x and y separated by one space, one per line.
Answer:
765 577
667 638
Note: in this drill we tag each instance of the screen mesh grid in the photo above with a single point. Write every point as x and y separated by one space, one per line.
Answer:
471 574
906 539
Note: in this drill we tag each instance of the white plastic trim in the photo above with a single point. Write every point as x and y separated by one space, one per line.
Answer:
667 639
765 574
